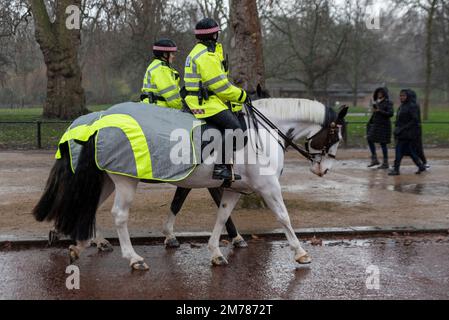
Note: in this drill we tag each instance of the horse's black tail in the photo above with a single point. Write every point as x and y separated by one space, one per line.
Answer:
71 199
57 182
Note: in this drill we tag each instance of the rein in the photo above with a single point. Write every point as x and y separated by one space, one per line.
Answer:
252 112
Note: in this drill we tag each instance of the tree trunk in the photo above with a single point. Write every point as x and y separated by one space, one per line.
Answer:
59 45
429 36
247 61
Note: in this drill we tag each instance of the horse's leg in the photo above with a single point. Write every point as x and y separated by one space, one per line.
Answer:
178 200
125 189
101 243
75 251
176 205
237 239
271 193
53 236
228 202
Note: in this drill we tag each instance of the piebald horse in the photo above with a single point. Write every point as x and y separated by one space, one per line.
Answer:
177 202
72 199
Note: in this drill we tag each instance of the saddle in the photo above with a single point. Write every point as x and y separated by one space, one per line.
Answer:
207 126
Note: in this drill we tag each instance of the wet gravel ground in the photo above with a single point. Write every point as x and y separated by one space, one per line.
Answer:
350 195
408 267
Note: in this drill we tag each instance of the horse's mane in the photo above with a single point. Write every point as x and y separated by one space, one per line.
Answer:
303 110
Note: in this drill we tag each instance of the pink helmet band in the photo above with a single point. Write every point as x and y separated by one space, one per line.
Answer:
167 49
207 31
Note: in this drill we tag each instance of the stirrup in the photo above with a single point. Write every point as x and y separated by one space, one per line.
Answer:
223 172
228 182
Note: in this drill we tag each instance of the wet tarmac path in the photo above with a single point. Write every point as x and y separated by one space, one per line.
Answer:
413 267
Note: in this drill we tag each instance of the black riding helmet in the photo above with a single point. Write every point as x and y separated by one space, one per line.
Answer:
207 29
163 47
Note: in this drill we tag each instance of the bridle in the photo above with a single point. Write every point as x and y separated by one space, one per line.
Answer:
323 140
327 136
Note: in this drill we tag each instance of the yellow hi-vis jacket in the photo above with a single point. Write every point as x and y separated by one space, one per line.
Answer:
163 82
207 67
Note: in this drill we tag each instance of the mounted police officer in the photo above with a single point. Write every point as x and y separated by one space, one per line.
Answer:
208 92
161 82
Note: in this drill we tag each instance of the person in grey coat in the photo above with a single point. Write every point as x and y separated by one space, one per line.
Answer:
379 126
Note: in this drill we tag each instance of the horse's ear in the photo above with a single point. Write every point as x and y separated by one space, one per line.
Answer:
259 90
343 112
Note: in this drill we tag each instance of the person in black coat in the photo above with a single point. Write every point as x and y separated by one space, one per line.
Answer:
379 126
418 145
406 133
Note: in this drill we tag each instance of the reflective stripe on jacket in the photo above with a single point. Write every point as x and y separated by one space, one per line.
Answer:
207 67
162 81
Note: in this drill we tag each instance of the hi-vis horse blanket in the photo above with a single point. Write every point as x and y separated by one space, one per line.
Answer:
139 140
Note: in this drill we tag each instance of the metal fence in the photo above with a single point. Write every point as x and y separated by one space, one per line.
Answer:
46 134
31 134
435 134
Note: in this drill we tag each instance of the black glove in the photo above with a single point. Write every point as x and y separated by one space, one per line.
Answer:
247 99
225 63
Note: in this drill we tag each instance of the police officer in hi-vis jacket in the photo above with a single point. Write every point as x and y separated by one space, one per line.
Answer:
208 92
161 81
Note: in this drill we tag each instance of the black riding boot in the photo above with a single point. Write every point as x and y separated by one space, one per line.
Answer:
225 120
224 172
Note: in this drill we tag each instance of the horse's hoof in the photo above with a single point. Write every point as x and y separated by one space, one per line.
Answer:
171 243
53 236
73 254
239 243
219 261
105 247
305 259
140 265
